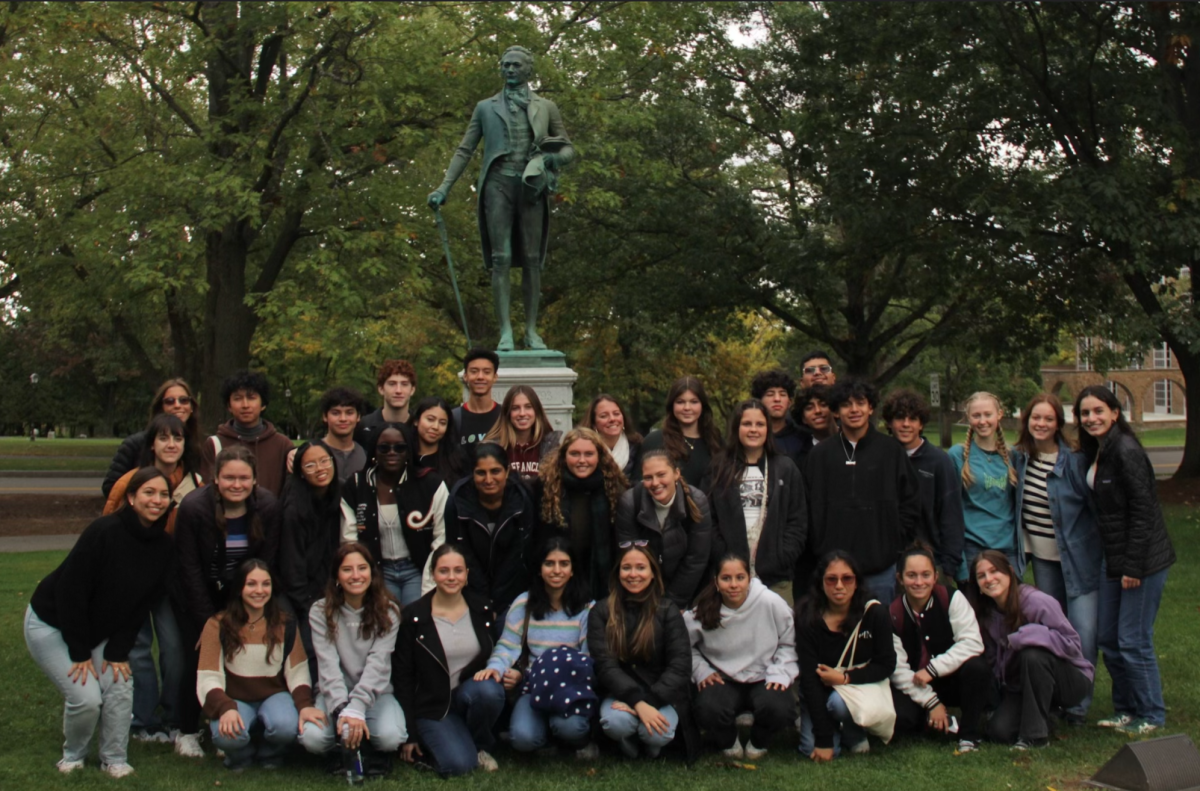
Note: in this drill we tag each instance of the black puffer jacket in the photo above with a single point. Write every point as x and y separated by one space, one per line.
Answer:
497 560
661 680
783 533
125 459
681 546
1128 513
310 535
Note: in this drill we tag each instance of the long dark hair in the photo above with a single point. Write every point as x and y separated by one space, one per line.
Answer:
730 462
140 478
191 427
164 423
589 417
1010 609
1025 440
297 489
378 605
574 598
812 609
254 526
708 603
235 616
449 461
1088 444
642 644
671 430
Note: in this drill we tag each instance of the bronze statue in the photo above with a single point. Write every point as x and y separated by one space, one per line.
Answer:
525 144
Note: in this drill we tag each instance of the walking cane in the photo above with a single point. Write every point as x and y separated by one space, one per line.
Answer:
441 225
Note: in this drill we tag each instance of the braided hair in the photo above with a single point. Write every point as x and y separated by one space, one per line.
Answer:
968 478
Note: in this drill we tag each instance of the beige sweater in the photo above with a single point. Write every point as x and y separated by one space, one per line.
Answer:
251 675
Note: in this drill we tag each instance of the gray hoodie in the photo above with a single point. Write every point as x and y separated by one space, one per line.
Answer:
353 671
756 642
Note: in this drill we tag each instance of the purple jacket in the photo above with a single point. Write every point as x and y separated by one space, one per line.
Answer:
1045 627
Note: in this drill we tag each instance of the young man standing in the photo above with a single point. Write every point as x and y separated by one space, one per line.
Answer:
396 383
775 389
863 493
246 394
942 527
341 409
816 370
480 412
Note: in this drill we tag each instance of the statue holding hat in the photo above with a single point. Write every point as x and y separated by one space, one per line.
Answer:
525 145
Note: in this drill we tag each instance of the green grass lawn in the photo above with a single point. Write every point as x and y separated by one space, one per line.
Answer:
33 710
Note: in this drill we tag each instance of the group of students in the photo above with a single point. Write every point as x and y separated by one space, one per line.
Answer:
420 580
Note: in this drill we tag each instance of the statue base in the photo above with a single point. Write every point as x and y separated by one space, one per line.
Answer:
547 373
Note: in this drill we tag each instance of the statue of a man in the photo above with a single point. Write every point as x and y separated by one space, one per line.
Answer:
525 144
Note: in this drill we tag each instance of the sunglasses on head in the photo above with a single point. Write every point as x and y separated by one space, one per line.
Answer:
390 447
173 400
628 544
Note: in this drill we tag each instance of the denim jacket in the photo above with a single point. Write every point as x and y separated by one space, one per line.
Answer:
1075 530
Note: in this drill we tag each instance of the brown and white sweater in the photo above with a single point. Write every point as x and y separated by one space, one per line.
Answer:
251 675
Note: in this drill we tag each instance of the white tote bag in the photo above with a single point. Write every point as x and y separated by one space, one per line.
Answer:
870 705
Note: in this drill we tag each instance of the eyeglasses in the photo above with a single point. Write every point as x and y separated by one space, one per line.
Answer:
628 544
388 447
846 579
173 400
812 369
321 464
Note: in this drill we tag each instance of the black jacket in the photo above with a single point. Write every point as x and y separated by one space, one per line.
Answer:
414 493
496 561
681 546
308 541
663 678
199 544
783 533
942 525
1128 513
420 675
595 547
871 508
105 586
125 459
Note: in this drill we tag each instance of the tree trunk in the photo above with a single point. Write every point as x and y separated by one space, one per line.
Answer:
228 320
1189 369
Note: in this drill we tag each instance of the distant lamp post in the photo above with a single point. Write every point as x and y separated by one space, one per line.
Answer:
33 432
287 393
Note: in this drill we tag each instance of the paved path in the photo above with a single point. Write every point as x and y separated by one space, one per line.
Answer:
37 543
51 485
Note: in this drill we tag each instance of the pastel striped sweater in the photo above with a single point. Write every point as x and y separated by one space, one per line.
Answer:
251 675
556 629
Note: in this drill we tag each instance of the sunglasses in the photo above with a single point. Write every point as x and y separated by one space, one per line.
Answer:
847 580
388 447
812 369
628 544
173 400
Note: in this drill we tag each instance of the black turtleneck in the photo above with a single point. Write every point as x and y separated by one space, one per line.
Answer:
104 588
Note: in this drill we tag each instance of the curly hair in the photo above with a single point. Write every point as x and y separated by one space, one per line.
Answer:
905 403
766 380
378 605
852 388
251 381
555 464
343 396
392 368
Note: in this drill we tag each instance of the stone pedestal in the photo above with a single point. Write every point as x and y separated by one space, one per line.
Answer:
547 373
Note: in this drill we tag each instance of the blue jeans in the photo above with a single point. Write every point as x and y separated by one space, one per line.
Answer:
453 741
147 696
105 702
531 730
385 721
849 733
278 720
1082 611
1127 640
627 729
402 579
881 585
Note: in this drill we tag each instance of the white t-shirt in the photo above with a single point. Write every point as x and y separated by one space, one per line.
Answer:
753 491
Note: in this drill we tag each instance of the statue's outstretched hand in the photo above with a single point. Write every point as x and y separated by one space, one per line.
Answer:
436 198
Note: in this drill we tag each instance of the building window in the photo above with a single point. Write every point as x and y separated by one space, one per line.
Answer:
1083 348
1162 357
1162 397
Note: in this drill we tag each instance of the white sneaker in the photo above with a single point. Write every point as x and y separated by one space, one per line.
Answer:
486 762
1116 721
735 751
117 771
589 753
188 745
753 753
66 767
172 735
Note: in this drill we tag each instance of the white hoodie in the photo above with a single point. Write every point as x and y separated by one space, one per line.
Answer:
756 642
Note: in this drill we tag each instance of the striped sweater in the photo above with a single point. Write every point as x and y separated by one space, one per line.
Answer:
251 675
556 629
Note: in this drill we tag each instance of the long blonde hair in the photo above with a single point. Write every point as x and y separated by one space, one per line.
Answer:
552 468
968 480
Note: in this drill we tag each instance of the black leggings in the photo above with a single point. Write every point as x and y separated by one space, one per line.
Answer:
717 707
969 688
1043 681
